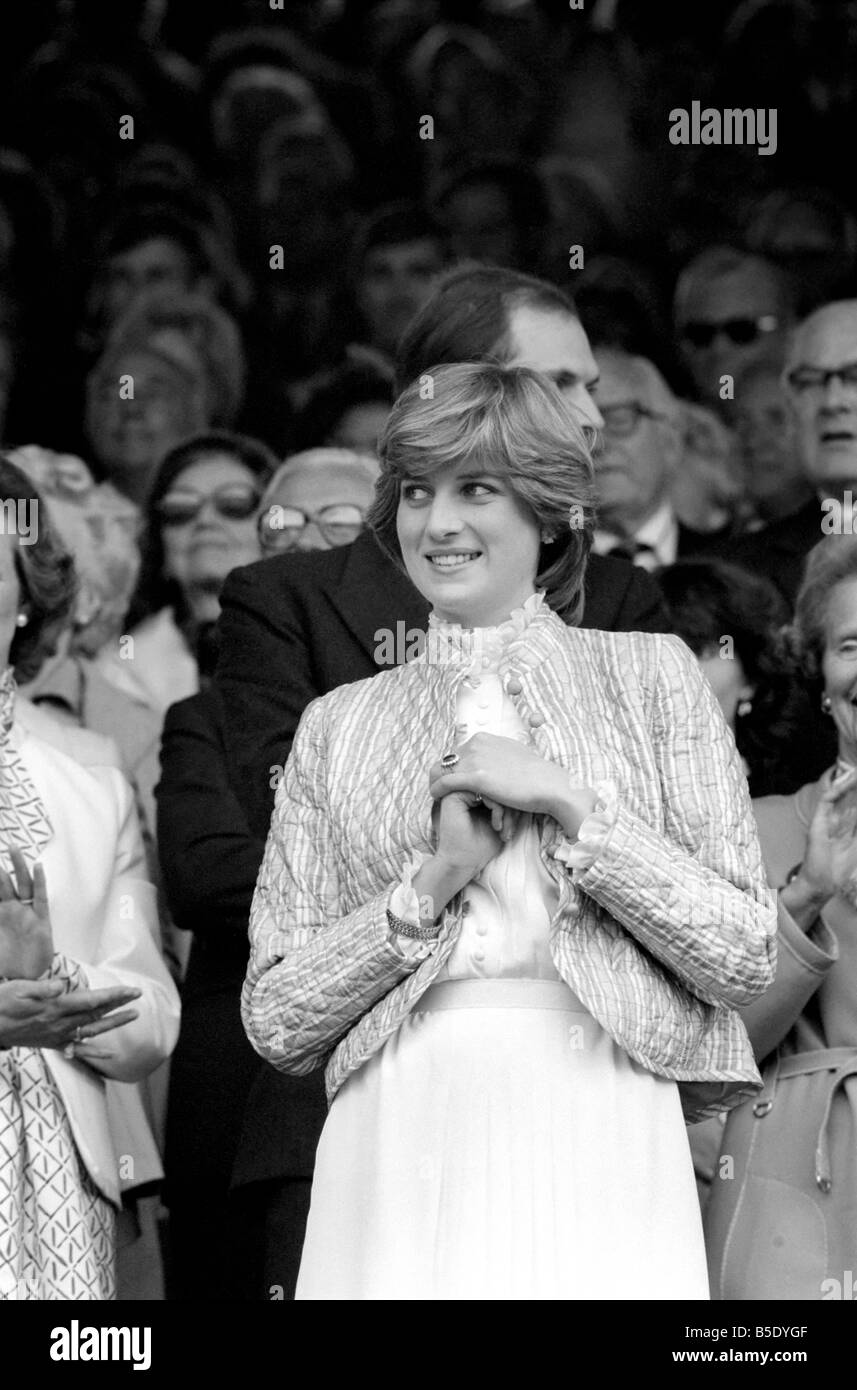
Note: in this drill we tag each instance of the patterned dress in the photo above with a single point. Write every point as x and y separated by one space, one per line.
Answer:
56 1229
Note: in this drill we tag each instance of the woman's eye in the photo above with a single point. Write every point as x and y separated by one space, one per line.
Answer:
412 492
479 489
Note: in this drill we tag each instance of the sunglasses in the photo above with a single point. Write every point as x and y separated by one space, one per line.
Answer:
281 527
701 334
233 501
817 379
620 421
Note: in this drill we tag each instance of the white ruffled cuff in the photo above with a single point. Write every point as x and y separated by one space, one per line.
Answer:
404 903
594 832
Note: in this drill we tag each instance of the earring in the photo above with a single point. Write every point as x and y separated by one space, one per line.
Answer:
826 705
743 708
548 537
21 620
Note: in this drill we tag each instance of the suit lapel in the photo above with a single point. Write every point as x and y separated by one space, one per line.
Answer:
371 593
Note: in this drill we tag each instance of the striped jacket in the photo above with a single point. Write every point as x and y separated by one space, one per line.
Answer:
663 937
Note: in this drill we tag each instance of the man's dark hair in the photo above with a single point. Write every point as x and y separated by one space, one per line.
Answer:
394 224
355 383
466 319
148 223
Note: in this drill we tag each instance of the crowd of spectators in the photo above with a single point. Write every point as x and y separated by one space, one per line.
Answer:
216 223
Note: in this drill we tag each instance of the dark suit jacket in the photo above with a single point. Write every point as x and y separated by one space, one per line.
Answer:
778 551
296 626
702 544
210 861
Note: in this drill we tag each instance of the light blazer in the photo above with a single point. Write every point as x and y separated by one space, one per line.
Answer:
103 912
669 931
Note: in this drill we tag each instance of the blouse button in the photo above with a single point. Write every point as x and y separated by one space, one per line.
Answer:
481 929
513 686
479 956
536 720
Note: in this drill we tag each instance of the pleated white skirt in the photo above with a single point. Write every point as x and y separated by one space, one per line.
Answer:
502 1146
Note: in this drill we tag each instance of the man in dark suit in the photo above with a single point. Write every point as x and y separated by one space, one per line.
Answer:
636 463
296 626
820 382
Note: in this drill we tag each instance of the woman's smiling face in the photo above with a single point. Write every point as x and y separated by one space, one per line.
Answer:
469 544
839 664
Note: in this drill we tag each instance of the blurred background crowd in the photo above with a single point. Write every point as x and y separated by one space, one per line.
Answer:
216 221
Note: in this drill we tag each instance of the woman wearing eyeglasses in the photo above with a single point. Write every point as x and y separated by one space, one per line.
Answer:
201 523
317 500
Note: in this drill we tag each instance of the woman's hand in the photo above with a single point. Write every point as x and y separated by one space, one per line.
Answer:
465 838
42 1013
830 862
506 773
26 937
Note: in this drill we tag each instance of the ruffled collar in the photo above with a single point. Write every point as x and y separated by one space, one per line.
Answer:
482 646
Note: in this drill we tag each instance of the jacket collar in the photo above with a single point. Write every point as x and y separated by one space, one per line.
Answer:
370 593
533 646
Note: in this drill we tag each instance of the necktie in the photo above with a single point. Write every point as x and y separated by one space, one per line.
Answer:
629 550
24 822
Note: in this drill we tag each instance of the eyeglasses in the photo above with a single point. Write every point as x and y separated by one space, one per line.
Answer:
701 333
234 501
281 527
621 420
816 379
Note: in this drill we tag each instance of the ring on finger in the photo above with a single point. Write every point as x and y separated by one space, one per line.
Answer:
450 759
78 1034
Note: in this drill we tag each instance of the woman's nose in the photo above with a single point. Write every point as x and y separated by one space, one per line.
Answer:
443 517
207 513
311 538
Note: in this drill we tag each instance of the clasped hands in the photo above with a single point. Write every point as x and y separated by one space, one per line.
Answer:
480 800
35 1012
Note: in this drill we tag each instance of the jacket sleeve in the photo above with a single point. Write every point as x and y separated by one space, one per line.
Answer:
128 955
209 859
313 971
803 960
265 679
695 896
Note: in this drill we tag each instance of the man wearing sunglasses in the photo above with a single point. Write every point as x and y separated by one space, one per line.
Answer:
820 387
731 311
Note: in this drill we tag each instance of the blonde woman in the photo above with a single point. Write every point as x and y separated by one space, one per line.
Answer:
512 894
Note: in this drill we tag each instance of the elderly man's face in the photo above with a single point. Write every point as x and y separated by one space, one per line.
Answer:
131 436
825 406
633 466
729 324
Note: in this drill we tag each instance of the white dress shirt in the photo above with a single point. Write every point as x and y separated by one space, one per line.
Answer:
659 533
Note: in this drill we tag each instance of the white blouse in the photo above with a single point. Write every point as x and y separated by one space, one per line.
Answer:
509 905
